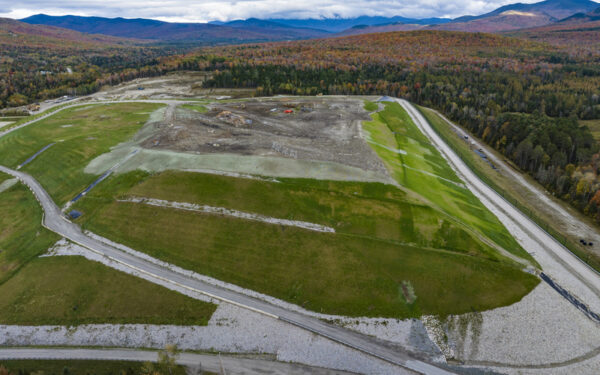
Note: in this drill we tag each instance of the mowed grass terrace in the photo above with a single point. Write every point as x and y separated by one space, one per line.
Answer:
387 238
382 239
79 135
72 290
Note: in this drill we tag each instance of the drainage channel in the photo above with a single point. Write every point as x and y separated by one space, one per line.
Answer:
569 297
101 178
34 156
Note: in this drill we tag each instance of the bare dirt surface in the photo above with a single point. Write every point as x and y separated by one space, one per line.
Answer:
318 129
177 85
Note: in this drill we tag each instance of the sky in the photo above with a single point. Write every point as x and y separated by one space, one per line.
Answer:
212 10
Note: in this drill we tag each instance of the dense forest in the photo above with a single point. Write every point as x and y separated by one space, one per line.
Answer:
69 74
38 63
523 98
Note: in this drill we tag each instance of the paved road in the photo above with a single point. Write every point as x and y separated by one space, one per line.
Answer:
212 363
585 275
55 221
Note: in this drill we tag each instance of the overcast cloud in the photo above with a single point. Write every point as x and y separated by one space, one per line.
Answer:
211 10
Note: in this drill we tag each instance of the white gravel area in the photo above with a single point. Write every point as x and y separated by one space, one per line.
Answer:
542 328
231 174
410 333
227 212
230 330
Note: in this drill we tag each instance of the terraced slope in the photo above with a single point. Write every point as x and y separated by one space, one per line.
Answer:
78 135
396 251
417 165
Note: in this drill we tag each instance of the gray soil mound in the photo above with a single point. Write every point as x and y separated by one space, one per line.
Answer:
315 129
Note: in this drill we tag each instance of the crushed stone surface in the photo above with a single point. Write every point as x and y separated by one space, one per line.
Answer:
228 212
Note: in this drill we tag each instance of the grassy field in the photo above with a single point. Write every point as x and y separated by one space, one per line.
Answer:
76 367
80 134
22 236
417 165
362 209
74 290
195 107
518 195
383 238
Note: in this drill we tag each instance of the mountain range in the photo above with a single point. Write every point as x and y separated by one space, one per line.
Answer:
251 30
15 33
507 18
581 29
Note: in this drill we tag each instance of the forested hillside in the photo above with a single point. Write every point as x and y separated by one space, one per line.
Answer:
524 98
40 62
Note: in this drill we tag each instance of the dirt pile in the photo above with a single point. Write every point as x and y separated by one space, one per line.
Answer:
233 119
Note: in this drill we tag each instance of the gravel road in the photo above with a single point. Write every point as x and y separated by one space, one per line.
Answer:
565 215
568 270
212 363
55 221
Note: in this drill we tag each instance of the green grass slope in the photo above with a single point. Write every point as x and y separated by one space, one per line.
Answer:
382 239
73 290
80 134
22 236
417 165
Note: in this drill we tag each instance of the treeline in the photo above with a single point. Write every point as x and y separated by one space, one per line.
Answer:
525 100
33 74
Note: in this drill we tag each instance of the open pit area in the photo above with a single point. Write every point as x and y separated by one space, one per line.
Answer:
314 129
171 86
